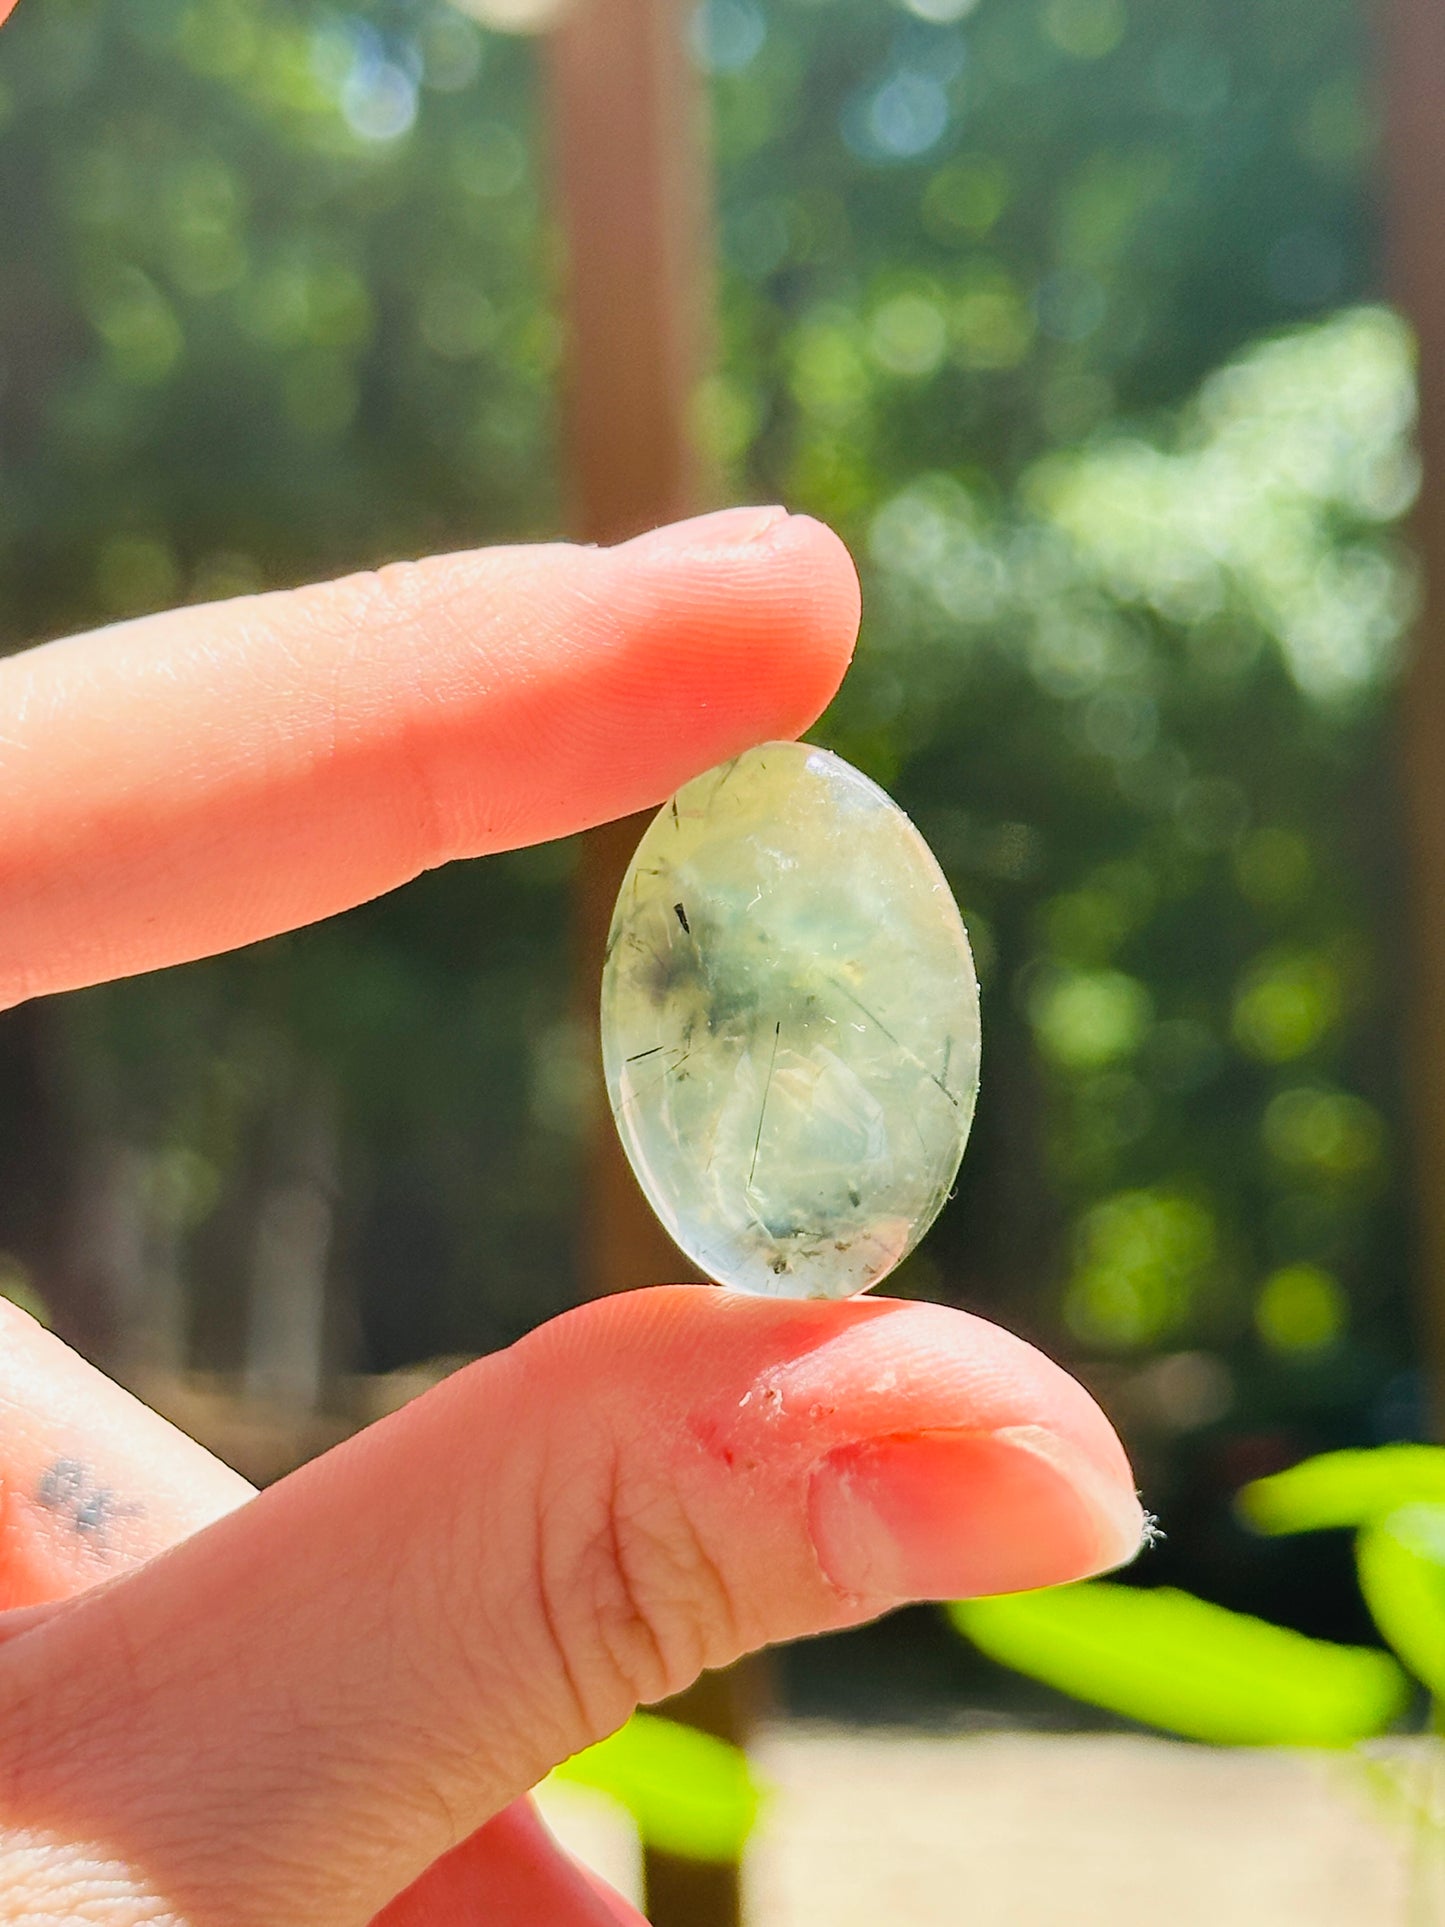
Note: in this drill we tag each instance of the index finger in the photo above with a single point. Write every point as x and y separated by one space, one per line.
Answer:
179 785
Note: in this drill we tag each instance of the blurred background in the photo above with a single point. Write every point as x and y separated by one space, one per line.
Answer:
1071 316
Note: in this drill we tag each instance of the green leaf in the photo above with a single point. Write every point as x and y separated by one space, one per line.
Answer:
689 1793
1345 1488
1401 1561
1174 1661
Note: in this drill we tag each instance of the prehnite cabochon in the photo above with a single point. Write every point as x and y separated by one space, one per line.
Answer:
790 1025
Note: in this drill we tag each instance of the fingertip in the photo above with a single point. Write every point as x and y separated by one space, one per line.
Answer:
960 1514
826 560
435 709
764 604
910 1364
939 1456
833 608
795 1381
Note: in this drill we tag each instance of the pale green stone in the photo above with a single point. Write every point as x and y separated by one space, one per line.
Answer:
790 1025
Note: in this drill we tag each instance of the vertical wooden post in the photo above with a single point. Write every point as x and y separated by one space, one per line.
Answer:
1414 77
627 121
631 169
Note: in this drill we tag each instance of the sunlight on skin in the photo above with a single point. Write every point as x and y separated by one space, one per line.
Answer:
493 1577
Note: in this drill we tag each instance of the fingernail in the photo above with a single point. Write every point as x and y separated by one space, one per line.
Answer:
705 534
955 1515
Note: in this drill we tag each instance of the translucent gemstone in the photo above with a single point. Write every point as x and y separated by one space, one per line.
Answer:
790 1025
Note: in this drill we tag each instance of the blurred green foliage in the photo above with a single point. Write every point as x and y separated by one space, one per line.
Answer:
262 315
1178 644
1401 1560
1062 311
1345 1489
1171 1660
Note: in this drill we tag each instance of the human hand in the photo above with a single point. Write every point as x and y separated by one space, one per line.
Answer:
323 1704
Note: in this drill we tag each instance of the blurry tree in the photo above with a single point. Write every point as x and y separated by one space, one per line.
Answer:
1145 709
275 304
961 231
276 301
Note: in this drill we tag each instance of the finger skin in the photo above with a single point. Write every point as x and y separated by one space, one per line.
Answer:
179 785
92 1483
420 1625
510 1873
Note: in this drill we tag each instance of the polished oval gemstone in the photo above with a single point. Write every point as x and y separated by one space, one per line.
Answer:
790 1025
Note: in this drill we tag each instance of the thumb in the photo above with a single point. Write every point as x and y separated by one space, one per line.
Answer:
333 1686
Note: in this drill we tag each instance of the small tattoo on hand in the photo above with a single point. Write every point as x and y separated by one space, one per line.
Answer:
68 1486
